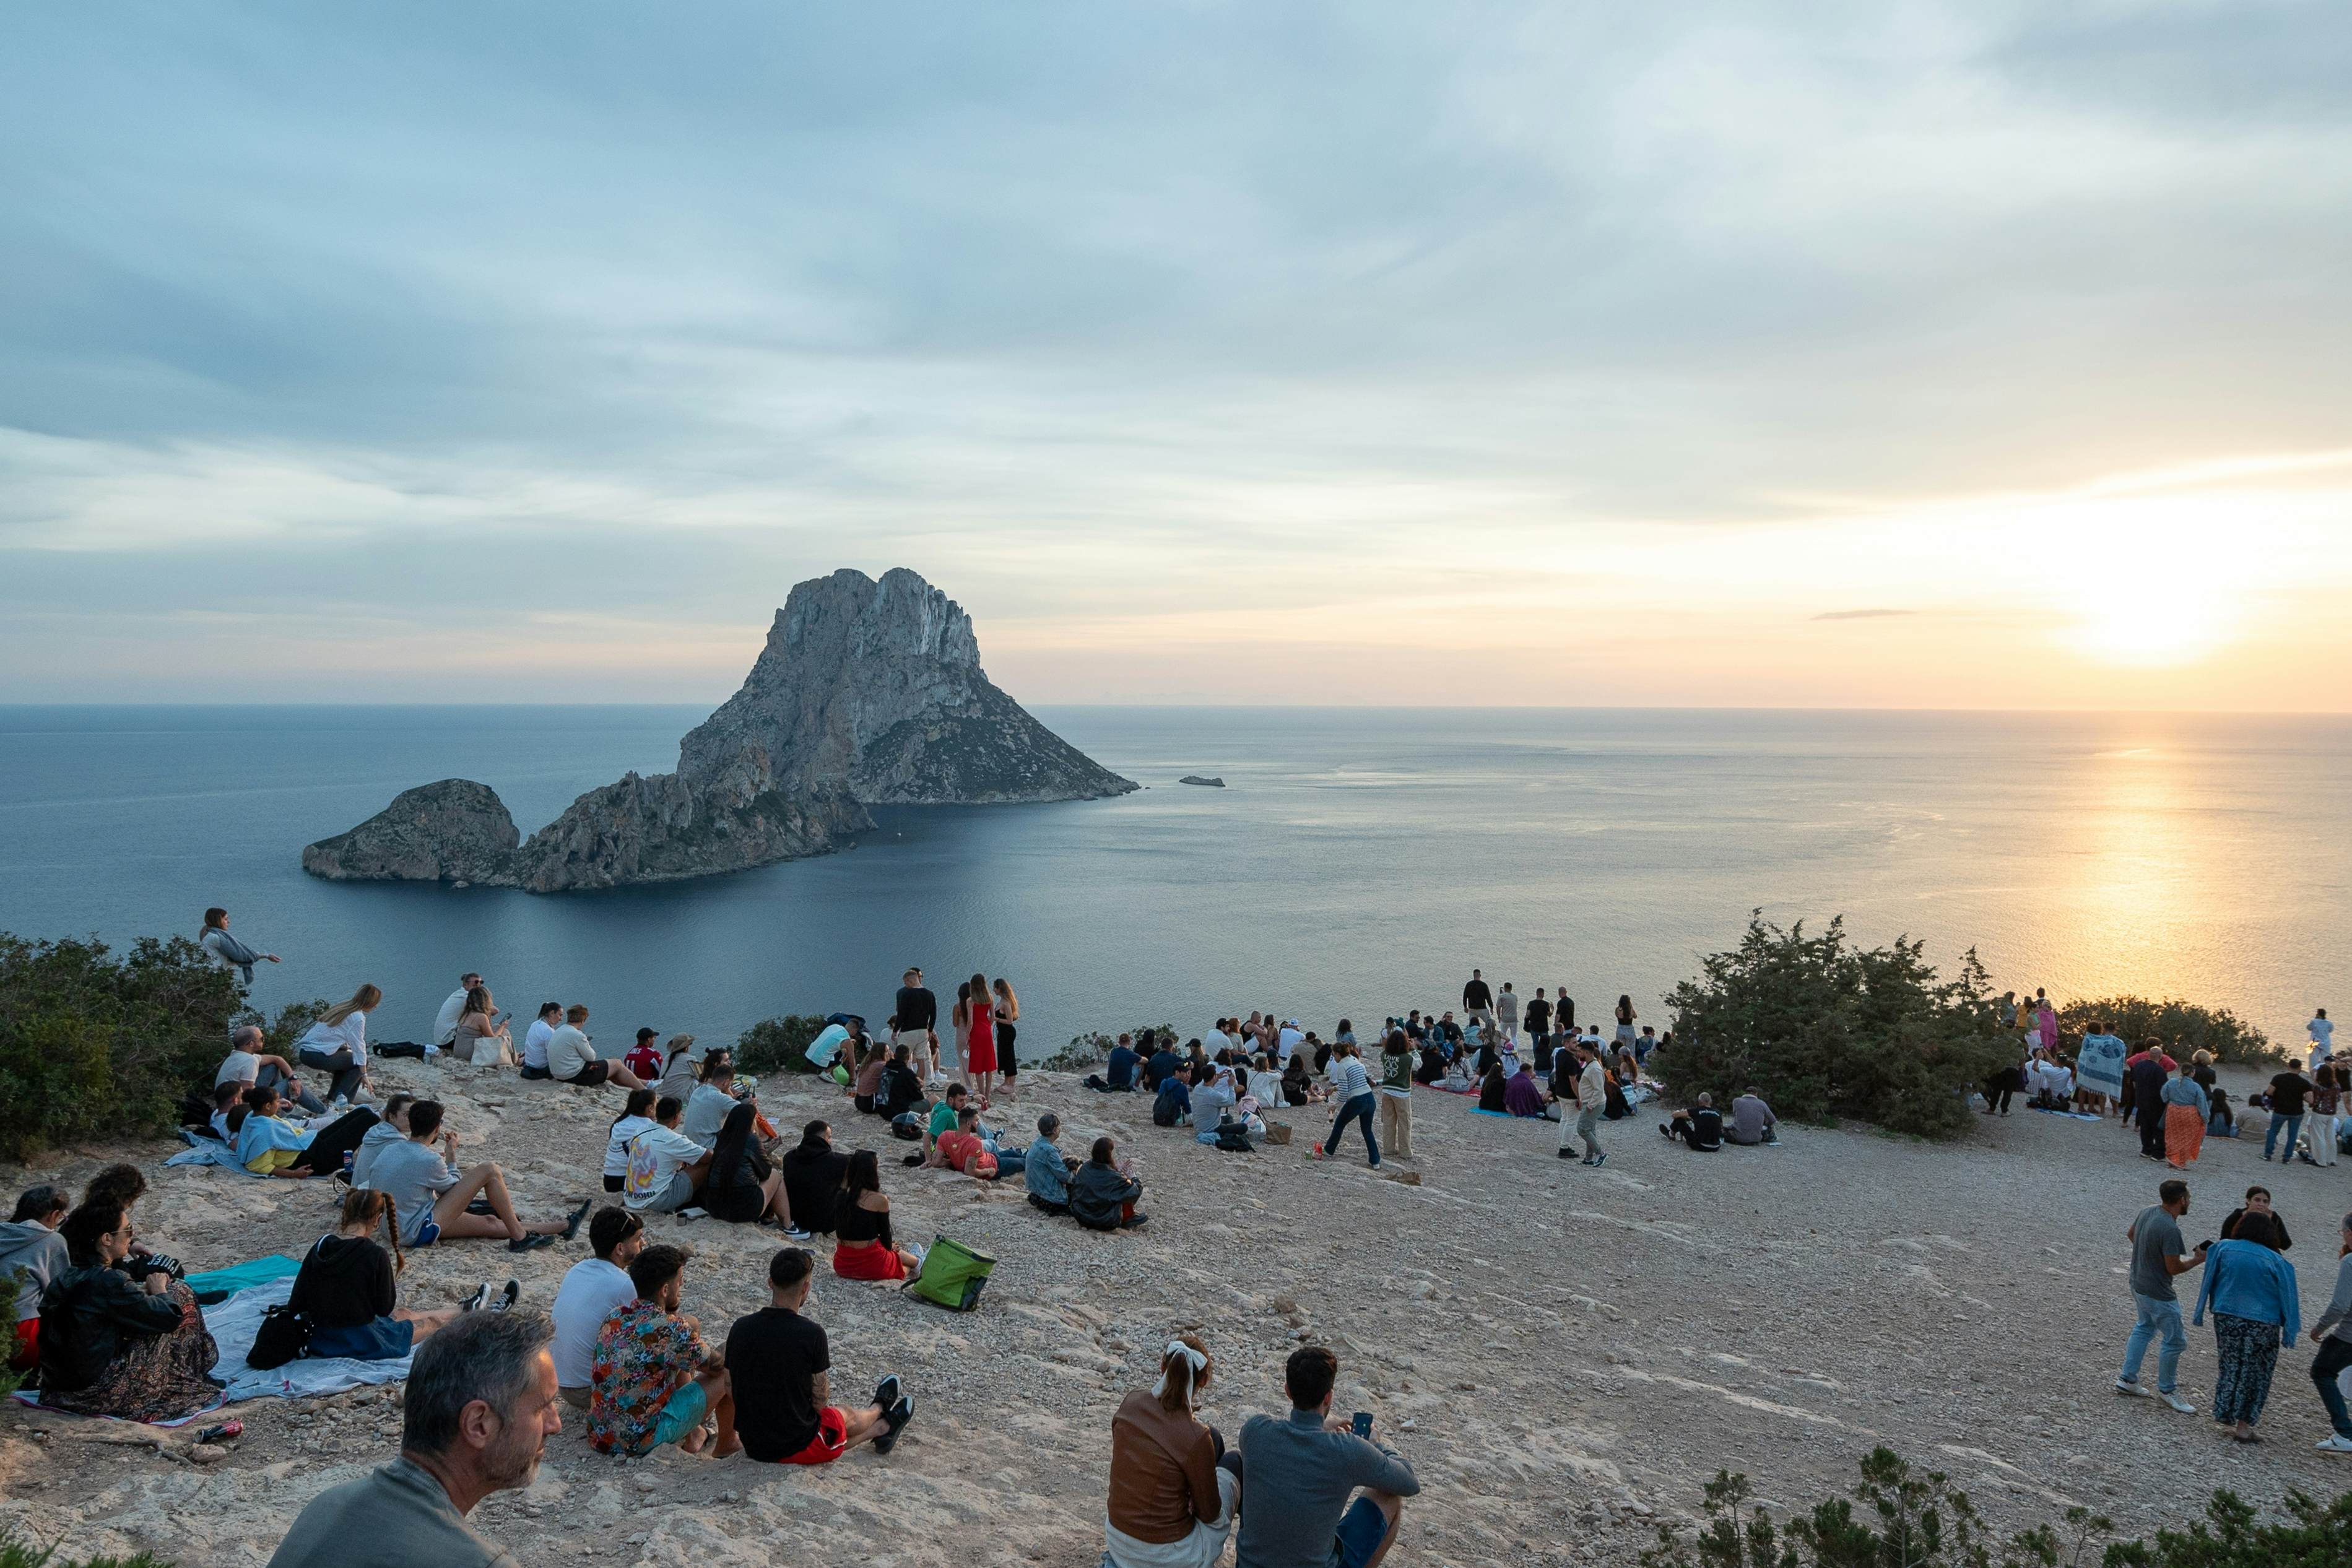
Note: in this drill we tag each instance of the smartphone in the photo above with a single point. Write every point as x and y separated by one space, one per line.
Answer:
1363 1423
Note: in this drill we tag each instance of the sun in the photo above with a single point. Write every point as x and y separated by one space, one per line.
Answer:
2148 591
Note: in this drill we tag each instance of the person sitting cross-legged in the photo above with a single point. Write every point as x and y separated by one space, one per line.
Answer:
782 1365
1701 1126
1104 1192
433 1196
653 1381
1045 1170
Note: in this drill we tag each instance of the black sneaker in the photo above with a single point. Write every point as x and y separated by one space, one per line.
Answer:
895 1421
479 1299
505 1299
887 1392
529 1243
572 1223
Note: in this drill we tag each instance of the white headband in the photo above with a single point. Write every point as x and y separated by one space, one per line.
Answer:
1192 1359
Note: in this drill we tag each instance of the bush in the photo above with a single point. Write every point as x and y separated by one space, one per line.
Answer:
92 1043
1826 1029
779 1044
2182 1025
1919 1519
1093 1048
18 1549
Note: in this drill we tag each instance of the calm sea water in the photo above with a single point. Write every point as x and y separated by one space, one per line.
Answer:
1360 863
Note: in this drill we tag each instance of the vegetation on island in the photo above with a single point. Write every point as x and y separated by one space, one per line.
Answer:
1914 1519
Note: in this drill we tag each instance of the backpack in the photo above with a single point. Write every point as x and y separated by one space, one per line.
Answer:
284 1337
953 1276
1164 1113
1233 1138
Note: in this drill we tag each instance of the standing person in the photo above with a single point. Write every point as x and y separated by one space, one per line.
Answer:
1397 1063
1625 1017
1351 1093
592 1289
336 1043
2148 1070
1008 1019
1507 1013
979 1038
1314 1461
1173 1486
536 1038
1591 1101
2157 1255
2287 1091
783 1364
2099 1064
654 1382
453 1008
1478 998
2321 1030
2046 1022
478 1407
234 954
2186 1111
2251 1288
915 1021
2333 1334
2326 1097
1538 1016
1563 1013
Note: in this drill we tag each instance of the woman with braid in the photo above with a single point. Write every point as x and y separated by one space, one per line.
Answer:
346 1287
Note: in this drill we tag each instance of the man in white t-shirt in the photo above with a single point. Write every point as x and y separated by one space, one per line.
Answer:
248 1065
591 1288
445 1027
665 1167
1216 1039
572 1057
2323 1039
1287 1041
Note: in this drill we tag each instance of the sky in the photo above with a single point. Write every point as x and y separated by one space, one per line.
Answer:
1976 355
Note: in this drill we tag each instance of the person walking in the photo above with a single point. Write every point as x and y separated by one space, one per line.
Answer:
2287 1091
2157 1255
2250 1287
1397 1059
1351 1092
1507 1013
1592 1099
2333 1334
1478 999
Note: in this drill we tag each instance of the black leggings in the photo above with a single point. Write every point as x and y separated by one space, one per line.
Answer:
1997 1097
323 1155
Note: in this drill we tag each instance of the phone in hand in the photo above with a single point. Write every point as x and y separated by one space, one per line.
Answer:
1362 1423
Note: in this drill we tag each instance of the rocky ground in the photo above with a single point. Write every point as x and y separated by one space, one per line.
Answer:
1564 1354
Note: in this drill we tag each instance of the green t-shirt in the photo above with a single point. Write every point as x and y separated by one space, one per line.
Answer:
943 1118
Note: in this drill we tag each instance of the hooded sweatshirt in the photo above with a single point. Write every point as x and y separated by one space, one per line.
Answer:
39 1252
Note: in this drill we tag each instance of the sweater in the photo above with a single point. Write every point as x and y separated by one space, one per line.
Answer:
35 1255
1314 1472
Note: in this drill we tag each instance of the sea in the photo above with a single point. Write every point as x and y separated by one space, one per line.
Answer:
1358 862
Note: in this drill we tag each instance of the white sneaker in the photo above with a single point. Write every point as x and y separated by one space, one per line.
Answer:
2332 1444
2178 1404
2137 1390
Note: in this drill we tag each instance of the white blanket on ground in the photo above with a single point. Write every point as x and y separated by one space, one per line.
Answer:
208 1153
234 1321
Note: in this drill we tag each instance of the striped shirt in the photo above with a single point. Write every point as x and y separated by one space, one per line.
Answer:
1349 1080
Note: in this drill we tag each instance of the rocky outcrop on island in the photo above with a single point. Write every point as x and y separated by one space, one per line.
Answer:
1204 783
867 694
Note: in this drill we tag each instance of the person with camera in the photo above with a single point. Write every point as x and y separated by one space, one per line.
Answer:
121 1336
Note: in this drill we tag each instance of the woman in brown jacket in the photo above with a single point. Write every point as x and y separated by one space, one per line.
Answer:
1174 1490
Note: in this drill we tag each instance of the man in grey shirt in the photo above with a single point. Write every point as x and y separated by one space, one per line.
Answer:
479 1407
1311 1465
706 1107
2333 1334
420 1173
2157 1254
1752 1121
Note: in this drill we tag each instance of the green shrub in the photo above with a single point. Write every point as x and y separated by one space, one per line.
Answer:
93 1044
278 1038
1094 1047
779 1044
1913 1519
18 1551
1827 1030
2181 1025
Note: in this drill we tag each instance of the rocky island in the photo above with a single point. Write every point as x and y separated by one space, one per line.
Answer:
867 694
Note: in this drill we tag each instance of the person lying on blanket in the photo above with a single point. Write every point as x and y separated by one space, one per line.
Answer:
267 1145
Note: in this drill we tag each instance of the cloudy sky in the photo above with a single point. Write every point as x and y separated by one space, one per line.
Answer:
1899 354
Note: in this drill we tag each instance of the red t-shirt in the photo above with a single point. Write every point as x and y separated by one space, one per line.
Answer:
957 1147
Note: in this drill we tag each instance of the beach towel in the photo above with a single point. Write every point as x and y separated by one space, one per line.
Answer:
2099 1064
215 1285
208 1152
234 1324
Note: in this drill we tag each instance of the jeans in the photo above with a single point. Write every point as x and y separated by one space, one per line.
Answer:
1360 1106
2334 1356
2157 1320
270 1078
347 1077
2294 1126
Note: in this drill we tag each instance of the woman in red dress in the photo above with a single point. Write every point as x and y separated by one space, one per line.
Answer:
980 1050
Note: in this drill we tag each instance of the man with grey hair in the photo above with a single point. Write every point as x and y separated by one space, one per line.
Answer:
248 1065
481 1406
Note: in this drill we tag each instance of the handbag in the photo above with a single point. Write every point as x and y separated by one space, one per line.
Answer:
284 1337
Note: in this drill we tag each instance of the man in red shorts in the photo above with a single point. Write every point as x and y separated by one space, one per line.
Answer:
780 1366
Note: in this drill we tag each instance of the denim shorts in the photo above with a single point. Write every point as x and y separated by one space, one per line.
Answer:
1361 1530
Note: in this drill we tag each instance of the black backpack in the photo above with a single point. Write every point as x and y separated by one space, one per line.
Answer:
1233 1137
907 1126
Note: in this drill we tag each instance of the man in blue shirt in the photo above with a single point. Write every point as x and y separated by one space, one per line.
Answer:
1314 1464
1045 1170
1175 1100
1162 1064
1120 1072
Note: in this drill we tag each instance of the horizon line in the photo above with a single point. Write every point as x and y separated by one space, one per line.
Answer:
1271 707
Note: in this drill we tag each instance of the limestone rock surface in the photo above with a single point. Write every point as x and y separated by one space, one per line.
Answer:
455 831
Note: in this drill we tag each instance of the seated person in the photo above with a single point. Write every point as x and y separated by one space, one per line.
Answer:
1701 1126
1174 1489
1616 1106
591 1290
109 1346
1315 1464
742 1188
2221 1124
1298 1085
391 1127
348 1290
1045 1170
32 1251
946 1116
1494 1094
227 1098
248 1066
962 1150
1752 1122
482 1038
267 1145
1161 1066
1264 1084
636 1116
434 1196
653 1382
666 1168
1118 1074
644 1057
782 1365
2257 1201
1173 1104
536 1038
1523 1096
813 1171
1433 1065
866 1087
681 1071
1212 1103
902 1087
861 1223
1103 1191
713 1098
572 1057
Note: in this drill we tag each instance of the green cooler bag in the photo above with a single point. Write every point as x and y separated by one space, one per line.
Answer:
952 1275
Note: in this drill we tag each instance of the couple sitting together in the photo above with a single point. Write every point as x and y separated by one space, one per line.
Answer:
1100 1194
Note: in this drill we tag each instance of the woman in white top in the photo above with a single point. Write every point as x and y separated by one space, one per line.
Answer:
535 1039
481 1038
636 1117
337 1042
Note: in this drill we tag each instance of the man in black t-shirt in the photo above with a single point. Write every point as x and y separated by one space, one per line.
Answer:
2287 1091
1701 1126
1478 999
901 1090
781 1367
915 1019
1538 1016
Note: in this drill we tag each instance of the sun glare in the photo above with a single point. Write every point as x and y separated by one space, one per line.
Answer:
2150 591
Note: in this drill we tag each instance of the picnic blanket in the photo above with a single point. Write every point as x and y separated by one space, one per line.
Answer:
32 1398
234 1324
216 1285
208 1153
